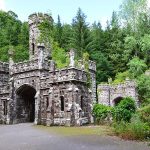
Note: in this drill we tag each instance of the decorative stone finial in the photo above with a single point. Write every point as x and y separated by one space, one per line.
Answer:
72 57
11 53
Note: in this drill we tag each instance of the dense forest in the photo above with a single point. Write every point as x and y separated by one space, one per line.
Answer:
120 50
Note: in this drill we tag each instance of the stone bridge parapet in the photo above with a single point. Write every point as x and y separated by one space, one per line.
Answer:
108 93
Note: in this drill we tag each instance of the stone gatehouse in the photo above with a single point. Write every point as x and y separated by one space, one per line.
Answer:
36 91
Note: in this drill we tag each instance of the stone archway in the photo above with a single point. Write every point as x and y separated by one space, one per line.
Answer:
117 100
25 104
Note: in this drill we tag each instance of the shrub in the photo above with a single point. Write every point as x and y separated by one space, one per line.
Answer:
136 130
144 114
124 110
101 113
143 87
121 77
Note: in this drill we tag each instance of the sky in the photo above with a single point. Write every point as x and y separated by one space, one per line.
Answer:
95 10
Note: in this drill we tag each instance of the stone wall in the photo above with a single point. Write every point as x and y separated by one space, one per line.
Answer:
4 73
107 94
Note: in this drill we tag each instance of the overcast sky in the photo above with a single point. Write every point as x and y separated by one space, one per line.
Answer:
96 10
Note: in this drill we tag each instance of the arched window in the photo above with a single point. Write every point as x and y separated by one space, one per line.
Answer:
82 104
33 48
47 102
62 103
5 107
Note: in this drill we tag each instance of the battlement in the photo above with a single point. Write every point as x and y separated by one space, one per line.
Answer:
69 74
27 66
127 83
36 18
4 67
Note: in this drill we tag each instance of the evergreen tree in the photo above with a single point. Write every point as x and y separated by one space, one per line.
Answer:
81 37
58 32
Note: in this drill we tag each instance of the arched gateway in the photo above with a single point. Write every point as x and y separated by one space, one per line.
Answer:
25 103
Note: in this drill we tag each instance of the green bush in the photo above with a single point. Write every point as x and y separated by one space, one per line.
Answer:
101 113
124 110
143 87
144 114
135 130
121 77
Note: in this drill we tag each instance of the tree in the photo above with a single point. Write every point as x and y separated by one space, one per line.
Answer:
143 86
124 110
81 37
67 33
58 32
136 67
130 11
145 48
24 35
114 41
103 66
97 36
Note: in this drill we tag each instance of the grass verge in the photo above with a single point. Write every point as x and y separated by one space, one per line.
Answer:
84 130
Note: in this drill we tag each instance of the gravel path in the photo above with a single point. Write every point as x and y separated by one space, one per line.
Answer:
26 137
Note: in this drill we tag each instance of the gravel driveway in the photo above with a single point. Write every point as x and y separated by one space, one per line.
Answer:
26 137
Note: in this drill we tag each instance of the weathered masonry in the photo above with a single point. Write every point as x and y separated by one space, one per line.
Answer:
112 94
35 91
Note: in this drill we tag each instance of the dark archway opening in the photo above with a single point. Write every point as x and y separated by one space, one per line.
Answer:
25 109
117 100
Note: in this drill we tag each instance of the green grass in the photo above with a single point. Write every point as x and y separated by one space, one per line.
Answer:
71 131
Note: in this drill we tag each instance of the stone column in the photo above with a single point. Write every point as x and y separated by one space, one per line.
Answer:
50 109
37 108
10 101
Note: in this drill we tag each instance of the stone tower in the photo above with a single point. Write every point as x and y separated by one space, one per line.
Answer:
34 33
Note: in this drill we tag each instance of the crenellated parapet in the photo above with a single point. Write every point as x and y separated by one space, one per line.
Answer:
69 74
27 66
37 18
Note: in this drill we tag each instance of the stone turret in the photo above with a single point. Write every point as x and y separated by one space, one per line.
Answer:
34 33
